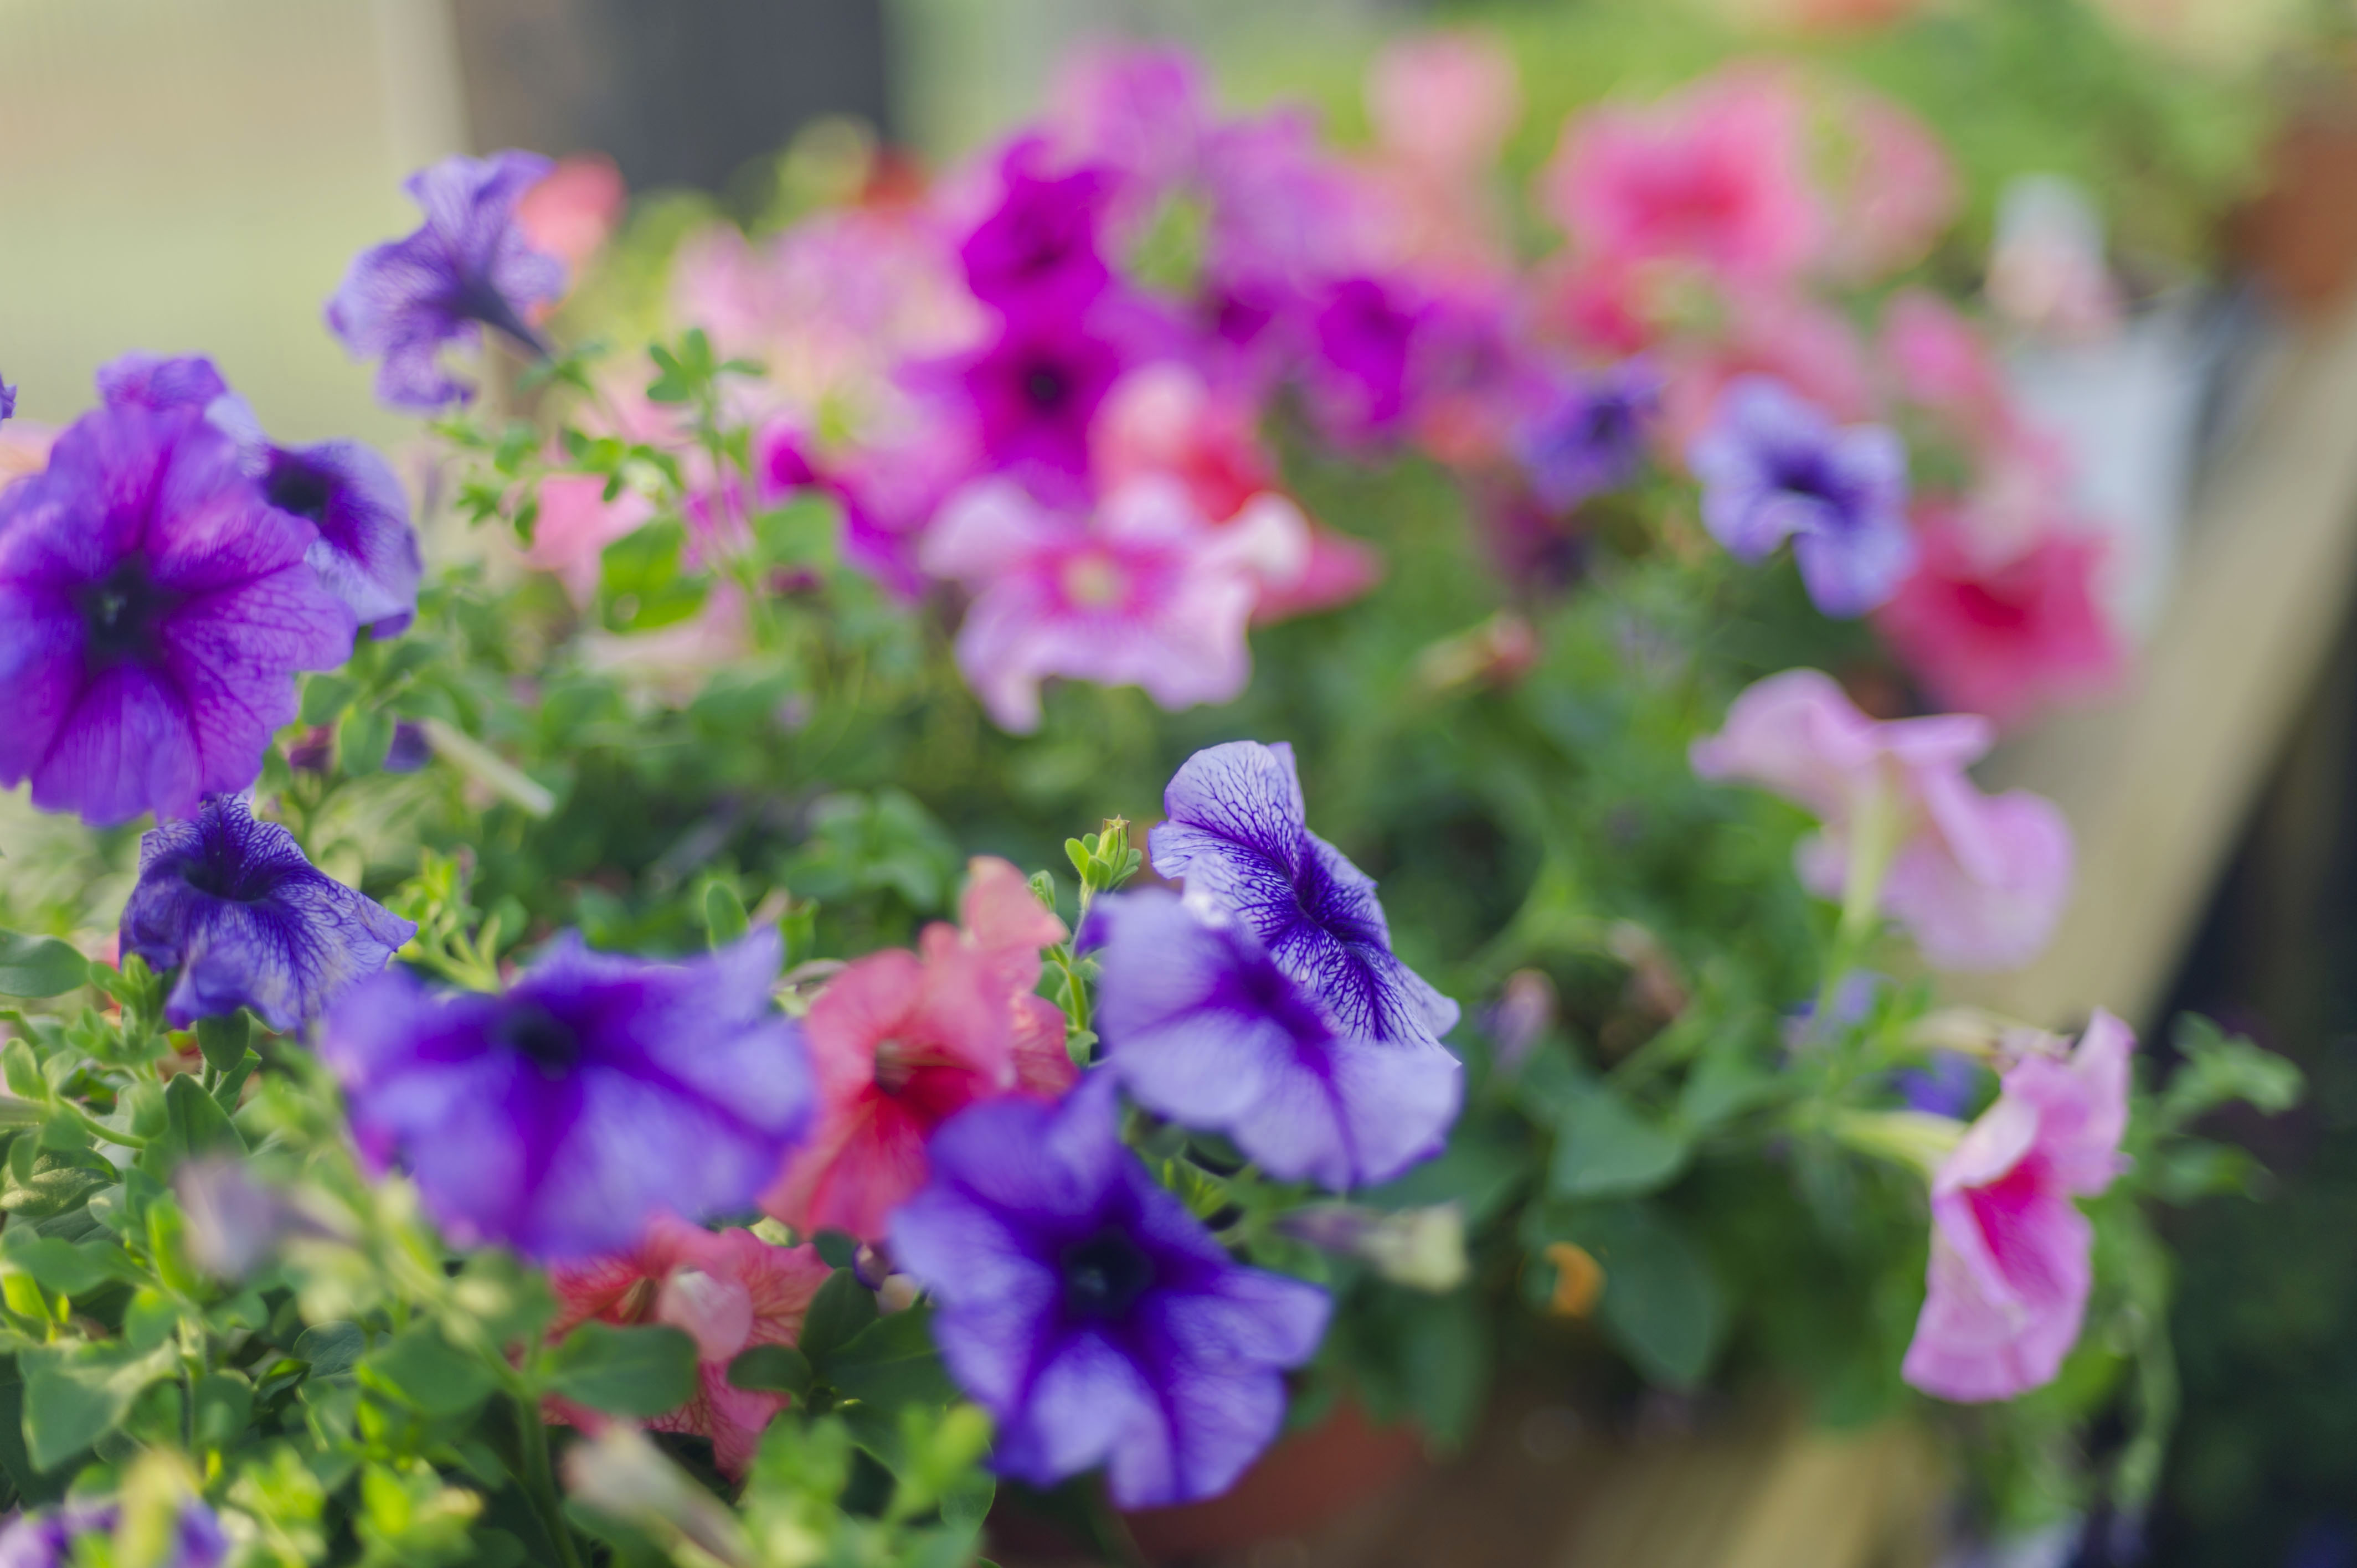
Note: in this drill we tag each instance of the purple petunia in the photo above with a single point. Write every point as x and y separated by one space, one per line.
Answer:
232 904
49 1539
1361 380
1093 1317
469 266
153 609
7 402
1590 437
1033 393
366 551
1037 248
1201 1027
1774 468
561 1115
1237 831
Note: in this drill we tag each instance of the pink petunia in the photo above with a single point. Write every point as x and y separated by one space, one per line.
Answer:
1447 100
902 1041
1977 880
1890 186
2010 1268
575 524
2005 636
1145 591
1713 178
1937 359
727 1290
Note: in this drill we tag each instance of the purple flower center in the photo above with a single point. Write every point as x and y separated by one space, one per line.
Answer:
225 871
1047 386
541 1037
120 611
298 486
1808 472
1106 1275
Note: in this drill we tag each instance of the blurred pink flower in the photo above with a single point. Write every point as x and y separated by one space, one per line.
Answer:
901 1043
1977 880
2010 1267
1141 111
1937 359
1146 592
1891 191
1809 346
574 210
727 1291
24 449
1712 178
1163 418
1446 100
577 522
2005 636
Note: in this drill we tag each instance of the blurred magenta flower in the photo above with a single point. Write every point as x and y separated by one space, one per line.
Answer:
1937 359
1141 111
1145 591
2005 636
1036 249
366 552
153 609
1201 1027
902 1041
232 904
1773 467
727 1290
1237 830
1096 1319
470 265
2011 1268
561 1115
1360 375
1032 393
1165 418
1712 178
1977 880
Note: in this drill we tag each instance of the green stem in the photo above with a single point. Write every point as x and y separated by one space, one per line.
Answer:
540 1478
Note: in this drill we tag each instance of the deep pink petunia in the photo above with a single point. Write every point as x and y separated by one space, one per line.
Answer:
2010 1268
1145 591
1977 880
902 1042
727 1290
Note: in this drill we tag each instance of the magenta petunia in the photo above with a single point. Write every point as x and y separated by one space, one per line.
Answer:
2010 1252
1977 880
1037 248
154 610
470 265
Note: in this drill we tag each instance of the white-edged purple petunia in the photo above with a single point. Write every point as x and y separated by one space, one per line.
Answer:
471 265
1773 467
153 609
562 1114
1097 1320
1201 1027
1237 830
232 904
366 551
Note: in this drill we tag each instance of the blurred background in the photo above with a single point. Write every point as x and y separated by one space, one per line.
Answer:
177 175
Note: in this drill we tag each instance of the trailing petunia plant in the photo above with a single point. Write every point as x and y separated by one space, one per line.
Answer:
612 1048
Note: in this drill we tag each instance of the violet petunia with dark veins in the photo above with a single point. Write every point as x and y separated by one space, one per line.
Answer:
232 904
561 1115
470 265
1097 1320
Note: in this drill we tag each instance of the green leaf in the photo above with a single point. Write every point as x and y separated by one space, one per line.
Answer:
627 1371
2218 1068
74 1395
841 1310
63 1266
363 740
1661 1304
330 1348
223 1039
39 966
724 920
325 696
1605 1148
892 1362
194 1123
421 1368
223 1407
771 1370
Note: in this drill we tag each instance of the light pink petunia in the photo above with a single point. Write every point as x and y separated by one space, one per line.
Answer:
727 1290
1892 188
901 1043
1145 591
2010 1267
1977 880
1713 178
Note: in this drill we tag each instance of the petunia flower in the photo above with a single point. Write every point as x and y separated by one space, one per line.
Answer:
1448 100
2006 637
727 1290
1202 1027
561 1115
51 1538
1095 1319
1237 830
1141 110
469 266
1977 880
153 609
1360 372
1145 592
232 904
902 1041
1030 395
7 401
366 551
1591 436
1772 468
1037 248
2010 1267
